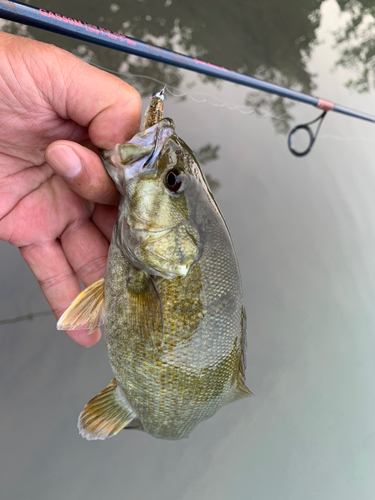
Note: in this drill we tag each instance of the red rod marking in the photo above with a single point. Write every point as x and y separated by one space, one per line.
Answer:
210 65
88 27
112 34
325 105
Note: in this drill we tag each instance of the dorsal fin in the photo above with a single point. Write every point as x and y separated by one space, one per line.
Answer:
240 390
243 346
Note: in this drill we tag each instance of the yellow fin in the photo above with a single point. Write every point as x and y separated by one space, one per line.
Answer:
86 312
106 414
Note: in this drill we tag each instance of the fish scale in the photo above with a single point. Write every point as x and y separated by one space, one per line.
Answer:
191 377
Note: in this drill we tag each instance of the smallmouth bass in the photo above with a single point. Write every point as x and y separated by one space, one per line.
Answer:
171 300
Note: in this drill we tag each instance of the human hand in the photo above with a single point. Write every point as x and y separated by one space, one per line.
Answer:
57 203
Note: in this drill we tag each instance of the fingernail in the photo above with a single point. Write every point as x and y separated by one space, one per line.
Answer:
64 161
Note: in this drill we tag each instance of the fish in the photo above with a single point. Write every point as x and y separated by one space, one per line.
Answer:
171 300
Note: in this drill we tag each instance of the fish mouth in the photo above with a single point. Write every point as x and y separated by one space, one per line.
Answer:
137 155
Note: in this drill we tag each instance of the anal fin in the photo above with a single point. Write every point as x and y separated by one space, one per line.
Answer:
106 414
86 312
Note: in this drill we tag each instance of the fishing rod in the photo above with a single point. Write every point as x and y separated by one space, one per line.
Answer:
57 23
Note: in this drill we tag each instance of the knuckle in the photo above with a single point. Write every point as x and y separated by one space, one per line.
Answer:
93 267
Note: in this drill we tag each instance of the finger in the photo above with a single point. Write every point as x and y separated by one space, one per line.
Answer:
107 106
79 93
86 249
104 218
58 282
83 171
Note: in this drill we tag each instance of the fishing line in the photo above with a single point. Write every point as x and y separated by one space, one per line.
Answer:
241 108
198 97
353 138
25 317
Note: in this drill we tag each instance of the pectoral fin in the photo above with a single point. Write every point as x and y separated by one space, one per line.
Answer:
106 414
86 312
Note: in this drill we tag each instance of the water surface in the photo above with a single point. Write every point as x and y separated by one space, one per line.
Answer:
305 237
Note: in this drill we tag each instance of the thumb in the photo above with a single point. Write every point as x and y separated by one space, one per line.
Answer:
83 171
104 104
107 106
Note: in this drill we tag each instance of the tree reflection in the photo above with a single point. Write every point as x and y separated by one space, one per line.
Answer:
269 39
207 153
204 155
356 43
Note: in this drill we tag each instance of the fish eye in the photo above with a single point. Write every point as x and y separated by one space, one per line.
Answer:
173 180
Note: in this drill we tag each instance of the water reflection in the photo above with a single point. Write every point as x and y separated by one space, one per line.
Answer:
356 43
205 155
303 231
251 38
